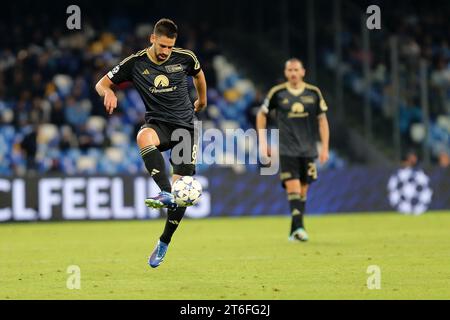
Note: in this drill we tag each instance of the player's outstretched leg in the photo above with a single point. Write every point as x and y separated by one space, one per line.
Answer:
154 162
174 217
158 254
163 200
148 141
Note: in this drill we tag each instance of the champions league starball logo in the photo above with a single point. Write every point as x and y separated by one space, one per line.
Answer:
409 191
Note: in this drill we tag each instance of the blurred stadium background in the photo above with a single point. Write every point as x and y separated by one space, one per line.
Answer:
388 92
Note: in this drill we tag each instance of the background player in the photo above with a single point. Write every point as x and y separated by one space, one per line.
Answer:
298 107
159 74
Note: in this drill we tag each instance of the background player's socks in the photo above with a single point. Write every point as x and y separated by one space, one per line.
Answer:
303 208
154 162
174 217
297 208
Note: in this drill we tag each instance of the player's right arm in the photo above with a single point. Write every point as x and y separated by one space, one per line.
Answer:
261 126
103 88
120 73
261 123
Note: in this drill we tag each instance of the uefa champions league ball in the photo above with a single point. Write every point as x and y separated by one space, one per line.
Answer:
187 191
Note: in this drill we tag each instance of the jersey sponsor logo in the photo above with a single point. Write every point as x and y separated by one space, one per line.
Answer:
161 81
161 85
174 68
297 111
297 107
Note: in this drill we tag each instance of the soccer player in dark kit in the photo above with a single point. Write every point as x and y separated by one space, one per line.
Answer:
159 73
300 110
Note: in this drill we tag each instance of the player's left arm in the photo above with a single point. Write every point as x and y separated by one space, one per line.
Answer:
324 129
324 132
200 87
195 71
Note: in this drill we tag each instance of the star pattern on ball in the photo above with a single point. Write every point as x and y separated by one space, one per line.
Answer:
187 191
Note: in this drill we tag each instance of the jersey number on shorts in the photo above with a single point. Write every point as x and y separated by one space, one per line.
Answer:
194 154
312 170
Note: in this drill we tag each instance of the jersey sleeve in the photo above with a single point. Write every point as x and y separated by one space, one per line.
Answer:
193 65
123 71
270 101
323 107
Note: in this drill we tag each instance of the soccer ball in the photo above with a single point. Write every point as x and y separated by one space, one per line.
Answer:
187 191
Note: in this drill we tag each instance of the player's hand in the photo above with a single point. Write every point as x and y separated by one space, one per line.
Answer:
323 156
199 106
110 101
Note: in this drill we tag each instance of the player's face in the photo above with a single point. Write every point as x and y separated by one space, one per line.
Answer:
163 46
294 72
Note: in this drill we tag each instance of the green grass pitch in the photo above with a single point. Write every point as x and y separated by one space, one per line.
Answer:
231 258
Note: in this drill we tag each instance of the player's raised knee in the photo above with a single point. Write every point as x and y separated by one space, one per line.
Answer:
147 137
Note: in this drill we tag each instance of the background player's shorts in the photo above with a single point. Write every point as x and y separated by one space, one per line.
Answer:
298 168
183 165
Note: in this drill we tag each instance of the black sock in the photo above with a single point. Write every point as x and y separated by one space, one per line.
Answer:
154 162
174 217
302 209
297 207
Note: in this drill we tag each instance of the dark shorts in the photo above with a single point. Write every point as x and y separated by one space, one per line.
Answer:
300 168
181 141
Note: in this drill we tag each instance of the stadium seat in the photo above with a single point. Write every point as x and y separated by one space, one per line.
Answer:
96 123
115 155
86 164
443 121
119 139
46 133
418 132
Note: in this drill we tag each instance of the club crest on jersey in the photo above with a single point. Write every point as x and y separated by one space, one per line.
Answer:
174 68
308 99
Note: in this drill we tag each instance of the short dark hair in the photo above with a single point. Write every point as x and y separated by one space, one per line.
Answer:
166 27
294 59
